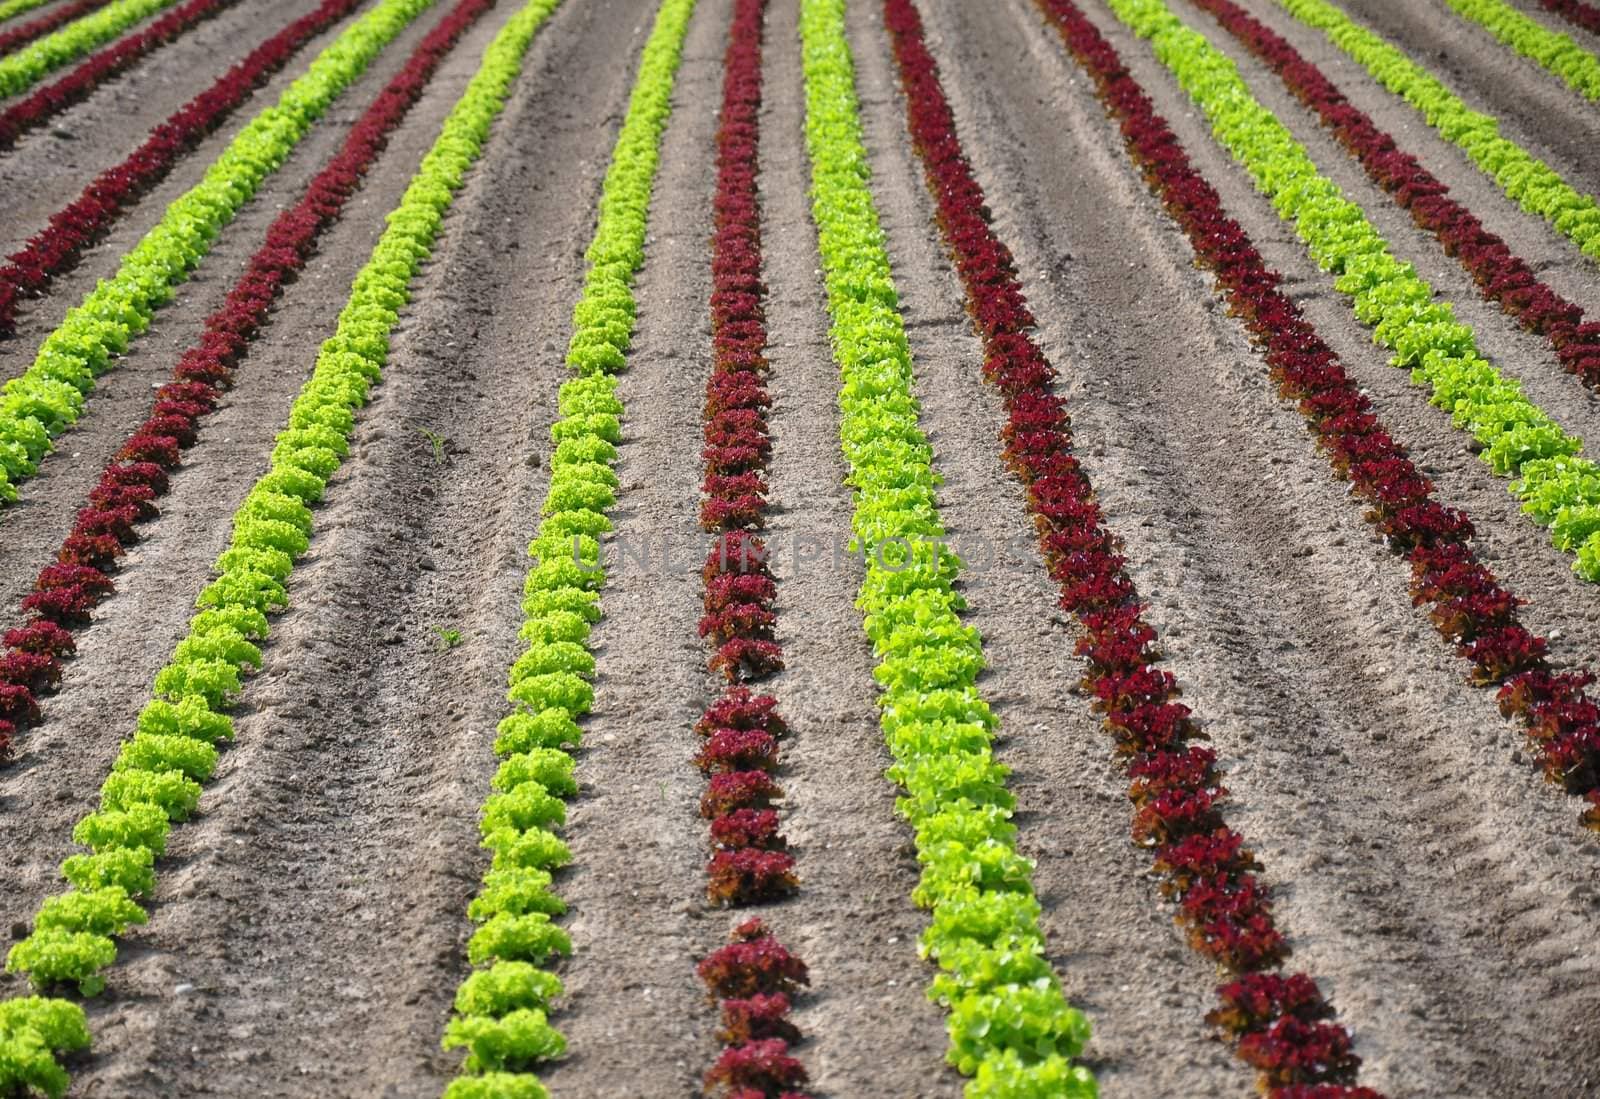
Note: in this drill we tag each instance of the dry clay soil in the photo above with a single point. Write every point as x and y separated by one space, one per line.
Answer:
308 931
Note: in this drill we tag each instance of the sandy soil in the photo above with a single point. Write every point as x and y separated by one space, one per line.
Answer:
308 932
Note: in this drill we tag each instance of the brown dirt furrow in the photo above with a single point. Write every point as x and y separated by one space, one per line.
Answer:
870 1030
62 762
1535 109
322 892
1111 942
1443 896
635 1016
53 164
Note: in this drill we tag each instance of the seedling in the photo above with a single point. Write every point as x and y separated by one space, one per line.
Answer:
438 442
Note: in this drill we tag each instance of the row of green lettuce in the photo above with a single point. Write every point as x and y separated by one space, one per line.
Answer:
1558 487
1529 182
500 1009
28 65
158 776
1556 51
13 8
1010 1025
49 396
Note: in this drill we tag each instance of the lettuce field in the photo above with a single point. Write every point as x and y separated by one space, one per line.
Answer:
800 549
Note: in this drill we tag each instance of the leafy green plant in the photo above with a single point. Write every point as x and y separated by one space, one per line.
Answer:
497 1085
139 825
499 1014
215 682
546 657
524 937
128 868
525 732
438 444
551 768
173 792
526 805
526 849
447 637
105 911
553 691
517 1040
517 891
52 956
1014 1018
506 987
938 726
157 752
18 7
32 1029
188 717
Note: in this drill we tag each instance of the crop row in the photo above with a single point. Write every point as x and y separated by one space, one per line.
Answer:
156 779
753 979
49 396
1010 1026
1469 606
79 580
500 1011
19 36
1502 276
741 731
1575 65
1577 12
47 102
1530 182
750 862
1558 488
29 65
11 8
1203 864
75 227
